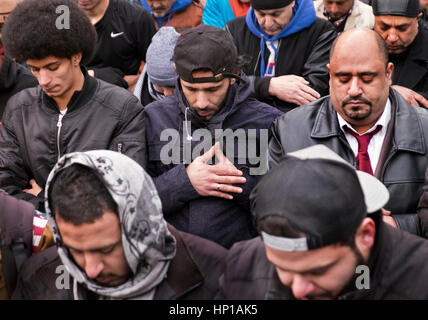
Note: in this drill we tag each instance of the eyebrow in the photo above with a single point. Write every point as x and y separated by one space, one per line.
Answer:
95 249
313 270
45 66
209 88
396 26
272 11
360 74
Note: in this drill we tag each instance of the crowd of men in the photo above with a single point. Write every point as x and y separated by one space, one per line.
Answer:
218 149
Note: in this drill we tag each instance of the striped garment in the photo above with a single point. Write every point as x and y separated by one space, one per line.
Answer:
39 224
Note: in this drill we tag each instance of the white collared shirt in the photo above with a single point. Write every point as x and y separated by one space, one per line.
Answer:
375 145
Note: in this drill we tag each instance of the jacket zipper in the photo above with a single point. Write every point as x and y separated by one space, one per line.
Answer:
59 125
119 147
257 63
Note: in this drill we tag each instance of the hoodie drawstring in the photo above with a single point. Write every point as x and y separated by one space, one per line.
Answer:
189 137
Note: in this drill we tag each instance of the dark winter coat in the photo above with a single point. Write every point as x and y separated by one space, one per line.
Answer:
13 78
304 53
412 72
220 220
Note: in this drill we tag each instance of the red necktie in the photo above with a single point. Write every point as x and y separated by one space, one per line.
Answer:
363 159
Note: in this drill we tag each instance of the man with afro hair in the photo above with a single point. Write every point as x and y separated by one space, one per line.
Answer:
69 110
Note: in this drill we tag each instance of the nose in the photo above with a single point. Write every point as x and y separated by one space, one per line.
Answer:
93 265
156 5
201 100
333 10
354 88
44 78
391 36
268 22
301 287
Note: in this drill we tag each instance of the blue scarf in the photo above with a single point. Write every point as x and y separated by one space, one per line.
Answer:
303 17
178 5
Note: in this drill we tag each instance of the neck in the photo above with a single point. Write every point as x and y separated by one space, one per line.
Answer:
363 128
96 13
63 101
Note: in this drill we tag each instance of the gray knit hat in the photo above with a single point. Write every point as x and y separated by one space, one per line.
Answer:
159 57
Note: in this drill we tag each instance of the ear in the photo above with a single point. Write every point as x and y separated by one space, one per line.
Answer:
419 16
232 81
389 71
76 58
365 236
328 67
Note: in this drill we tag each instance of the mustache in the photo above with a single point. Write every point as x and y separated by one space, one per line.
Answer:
359 98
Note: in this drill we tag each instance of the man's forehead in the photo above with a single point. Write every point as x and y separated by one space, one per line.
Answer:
160 1
204 85
303 261
273 11
394 20
356 52
44 61
338 2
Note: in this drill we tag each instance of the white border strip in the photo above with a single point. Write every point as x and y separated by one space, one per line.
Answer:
285 244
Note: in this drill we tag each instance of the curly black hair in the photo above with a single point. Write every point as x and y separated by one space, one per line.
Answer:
31 32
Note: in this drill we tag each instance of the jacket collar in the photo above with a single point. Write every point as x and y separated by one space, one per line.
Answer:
79 98
183 274
408 133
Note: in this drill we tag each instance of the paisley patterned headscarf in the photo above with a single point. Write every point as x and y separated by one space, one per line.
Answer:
148 245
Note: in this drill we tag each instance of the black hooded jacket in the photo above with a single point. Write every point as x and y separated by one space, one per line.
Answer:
220 220
304 53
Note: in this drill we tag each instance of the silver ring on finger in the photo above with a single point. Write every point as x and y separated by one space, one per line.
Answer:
218 186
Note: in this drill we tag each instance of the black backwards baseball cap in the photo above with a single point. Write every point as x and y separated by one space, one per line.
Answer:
405 8
320 193
269 4
205 47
